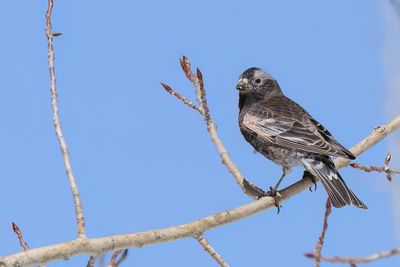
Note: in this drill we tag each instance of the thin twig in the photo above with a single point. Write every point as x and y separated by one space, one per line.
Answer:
114 258
197 79
210 250
201 92
185 101
92 261
187 69
320 242
80 219
21 240
385 168
356 260
122 258
114 262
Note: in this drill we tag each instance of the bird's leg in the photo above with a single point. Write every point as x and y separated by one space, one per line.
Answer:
273 192
308 175
278 183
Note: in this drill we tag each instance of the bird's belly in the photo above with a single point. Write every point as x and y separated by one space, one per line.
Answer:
278 155
281 156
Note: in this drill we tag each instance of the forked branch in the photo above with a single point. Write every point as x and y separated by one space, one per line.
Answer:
202 107
385 168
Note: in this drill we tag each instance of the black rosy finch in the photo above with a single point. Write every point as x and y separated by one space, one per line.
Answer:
281 130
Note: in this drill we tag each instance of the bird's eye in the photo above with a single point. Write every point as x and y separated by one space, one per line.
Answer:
257 81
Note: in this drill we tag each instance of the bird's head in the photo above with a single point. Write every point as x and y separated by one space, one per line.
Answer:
256 81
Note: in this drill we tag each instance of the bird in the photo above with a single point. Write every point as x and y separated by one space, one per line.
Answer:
284 132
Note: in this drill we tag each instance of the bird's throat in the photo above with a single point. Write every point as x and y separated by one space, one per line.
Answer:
247 98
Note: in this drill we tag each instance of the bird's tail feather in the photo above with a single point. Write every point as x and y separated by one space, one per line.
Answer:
339 194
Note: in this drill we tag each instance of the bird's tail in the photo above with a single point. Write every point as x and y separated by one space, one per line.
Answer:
340 195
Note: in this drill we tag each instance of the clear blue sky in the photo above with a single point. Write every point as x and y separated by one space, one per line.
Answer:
144 161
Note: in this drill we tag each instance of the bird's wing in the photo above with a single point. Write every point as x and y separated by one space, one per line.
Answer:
342 151
291 127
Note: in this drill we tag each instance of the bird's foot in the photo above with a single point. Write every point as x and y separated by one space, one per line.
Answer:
308 175
275 195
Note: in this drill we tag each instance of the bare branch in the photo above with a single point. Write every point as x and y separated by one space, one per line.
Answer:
80 219
210 250
187 69
21 240
320 242
185 101
356 260
201 92
95 246
114 258
92 261
350 260
122 258
198 82
385 168
114 262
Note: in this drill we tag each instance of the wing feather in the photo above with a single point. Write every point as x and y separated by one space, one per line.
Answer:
289 126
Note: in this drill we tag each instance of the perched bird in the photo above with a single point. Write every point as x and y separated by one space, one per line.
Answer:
281 130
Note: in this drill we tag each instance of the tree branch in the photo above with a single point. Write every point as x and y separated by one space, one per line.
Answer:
210 250
114 262
320 242
92 261
80 219
197 79
98 246
20 237
352 261
356 260
184 100
385 168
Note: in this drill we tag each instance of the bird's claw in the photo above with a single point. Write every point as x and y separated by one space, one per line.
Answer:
315 184
312 178
275 195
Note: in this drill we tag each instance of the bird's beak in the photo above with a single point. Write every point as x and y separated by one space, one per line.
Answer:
241 84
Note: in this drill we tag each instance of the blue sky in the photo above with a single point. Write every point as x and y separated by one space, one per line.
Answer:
143 160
